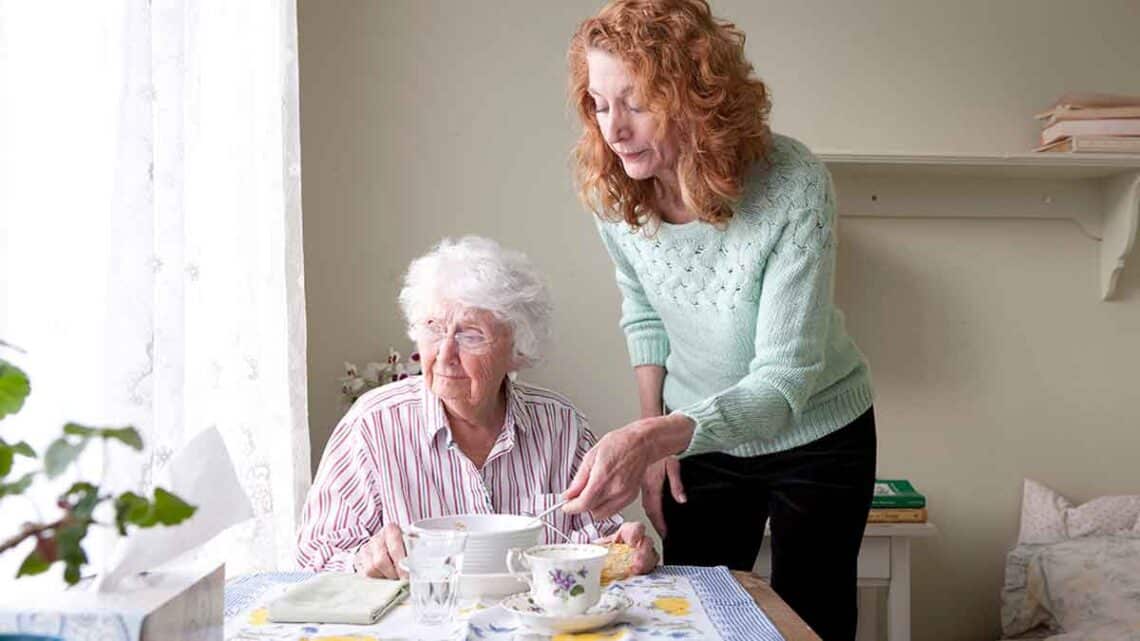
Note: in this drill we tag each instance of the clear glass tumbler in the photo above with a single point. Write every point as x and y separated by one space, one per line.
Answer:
433 564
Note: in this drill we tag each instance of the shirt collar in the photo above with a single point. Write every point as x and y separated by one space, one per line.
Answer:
435 417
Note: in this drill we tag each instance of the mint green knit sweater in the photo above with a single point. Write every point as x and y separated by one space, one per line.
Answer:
742 319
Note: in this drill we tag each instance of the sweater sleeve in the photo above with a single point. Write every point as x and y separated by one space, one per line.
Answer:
792 328
644 331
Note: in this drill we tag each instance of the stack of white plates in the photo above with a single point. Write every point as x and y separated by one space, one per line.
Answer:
489 537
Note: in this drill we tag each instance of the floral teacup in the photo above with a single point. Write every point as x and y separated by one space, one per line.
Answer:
564 579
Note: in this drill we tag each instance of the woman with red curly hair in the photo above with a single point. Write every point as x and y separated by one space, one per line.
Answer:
723 238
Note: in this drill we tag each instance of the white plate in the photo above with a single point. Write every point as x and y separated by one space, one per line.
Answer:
489 586
531 615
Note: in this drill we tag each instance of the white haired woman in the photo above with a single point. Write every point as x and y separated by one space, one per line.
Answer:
463 438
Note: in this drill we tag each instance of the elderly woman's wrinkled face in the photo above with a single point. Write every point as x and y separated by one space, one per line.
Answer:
466 354
627 125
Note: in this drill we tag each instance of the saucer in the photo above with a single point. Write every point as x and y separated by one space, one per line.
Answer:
533 616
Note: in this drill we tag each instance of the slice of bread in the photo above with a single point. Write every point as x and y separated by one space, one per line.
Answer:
619 563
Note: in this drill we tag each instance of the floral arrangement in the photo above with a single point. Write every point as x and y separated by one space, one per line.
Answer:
357 381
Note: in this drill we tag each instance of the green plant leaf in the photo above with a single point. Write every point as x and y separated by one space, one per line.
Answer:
17 487
128 436
75 429
576 590
6 456
71 573
83 498
169 509
60 454
166 508
130 508
23 449
14 388
69 539
33 564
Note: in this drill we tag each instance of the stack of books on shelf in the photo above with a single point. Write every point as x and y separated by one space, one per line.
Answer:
896 501
1092 123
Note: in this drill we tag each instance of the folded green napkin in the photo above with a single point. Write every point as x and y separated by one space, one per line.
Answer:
338 598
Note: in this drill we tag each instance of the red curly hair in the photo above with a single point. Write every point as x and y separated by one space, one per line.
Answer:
691 70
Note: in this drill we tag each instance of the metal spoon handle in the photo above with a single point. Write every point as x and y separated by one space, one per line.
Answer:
550 509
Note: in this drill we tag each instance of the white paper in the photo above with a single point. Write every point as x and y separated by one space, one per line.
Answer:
201 474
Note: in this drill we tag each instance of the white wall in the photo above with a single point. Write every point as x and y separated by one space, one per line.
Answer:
992 358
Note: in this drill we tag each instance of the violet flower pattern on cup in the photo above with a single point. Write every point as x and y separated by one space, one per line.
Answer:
566 585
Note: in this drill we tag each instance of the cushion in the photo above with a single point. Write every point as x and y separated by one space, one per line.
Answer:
1092 582
1048 517
1080 588
1021 608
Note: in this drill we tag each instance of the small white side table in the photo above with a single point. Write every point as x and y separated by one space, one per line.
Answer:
884 561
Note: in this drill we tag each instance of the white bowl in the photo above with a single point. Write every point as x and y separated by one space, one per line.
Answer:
489 536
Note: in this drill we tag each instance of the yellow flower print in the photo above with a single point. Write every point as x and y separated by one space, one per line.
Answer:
677 606
614 635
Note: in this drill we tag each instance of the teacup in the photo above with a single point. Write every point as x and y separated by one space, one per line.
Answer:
564 578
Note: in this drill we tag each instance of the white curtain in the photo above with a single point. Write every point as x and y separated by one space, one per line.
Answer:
150 240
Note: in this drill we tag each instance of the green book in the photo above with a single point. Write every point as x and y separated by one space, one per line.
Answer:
896 493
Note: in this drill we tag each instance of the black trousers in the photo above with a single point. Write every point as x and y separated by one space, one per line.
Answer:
816 496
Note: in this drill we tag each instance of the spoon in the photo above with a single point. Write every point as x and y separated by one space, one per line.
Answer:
550 509
547 511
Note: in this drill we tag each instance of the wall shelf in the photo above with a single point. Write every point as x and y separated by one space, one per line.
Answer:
1098 192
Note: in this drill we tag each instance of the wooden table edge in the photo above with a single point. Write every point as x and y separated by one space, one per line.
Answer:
790 625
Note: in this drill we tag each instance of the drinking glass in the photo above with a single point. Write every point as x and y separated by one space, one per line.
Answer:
433 564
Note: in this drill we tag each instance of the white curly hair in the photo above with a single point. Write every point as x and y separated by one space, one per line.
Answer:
477 272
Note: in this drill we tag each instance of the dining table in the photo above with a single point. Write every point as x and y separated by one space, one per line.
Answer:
790 625
246 597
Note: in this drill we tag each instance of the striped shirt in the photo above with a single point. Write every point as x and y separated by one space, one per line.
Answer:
391 459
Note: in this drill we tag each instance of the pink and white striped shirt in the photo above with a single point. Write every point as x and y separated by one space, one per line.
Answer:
391 459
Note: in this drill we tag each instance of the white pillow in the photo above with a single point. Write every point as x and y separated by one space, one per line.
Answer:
1042 514
1046 516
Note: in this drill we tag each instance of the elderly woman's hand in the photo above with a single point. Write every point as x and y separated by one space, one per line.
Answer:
633 534
379 558
611 473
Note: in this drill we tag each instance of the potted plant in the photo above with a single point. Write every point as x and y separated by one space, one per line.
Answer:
60 539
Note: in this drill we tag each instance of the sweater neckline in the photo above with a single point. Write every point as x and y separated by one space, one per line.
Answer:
681 231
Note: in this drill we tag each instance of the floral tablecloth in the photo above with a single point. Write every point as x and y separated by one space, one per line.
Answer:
674 602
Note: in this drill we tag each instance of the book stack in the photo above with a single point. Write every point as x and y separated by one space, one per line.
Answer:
896 501
1092 123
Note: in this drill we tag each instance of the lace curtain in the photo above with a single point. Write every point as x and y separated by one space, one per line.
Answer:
150 241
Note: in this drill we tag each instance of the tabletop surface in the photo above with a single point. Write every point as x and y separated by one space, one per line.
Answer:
790 625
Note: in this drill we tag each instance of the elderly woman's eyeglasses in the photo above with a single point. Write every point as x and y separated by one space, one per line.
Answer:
468 340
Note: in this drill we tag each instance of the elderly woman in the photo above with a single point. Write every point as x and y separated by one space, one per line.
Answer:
463 438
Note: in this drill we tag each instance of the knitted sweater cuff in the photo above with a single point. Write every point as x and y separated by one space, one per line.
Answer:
647 350
735 417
